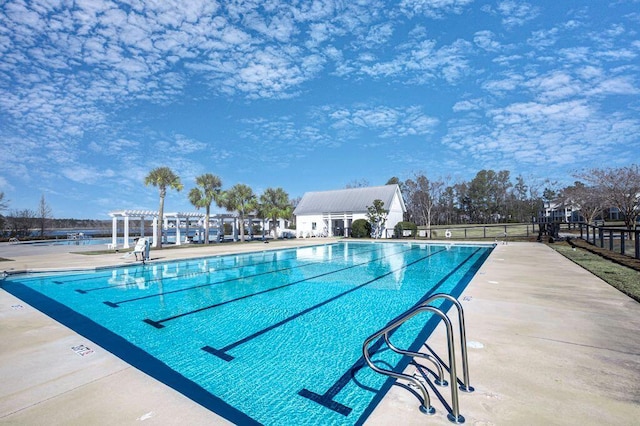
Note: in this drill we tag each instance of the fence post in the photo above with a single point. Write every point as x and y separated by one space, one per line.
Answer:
601 237
622 242
636 235
611 239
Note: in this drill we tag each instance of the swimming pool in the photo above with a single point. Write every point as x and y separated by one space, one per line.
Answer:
269 337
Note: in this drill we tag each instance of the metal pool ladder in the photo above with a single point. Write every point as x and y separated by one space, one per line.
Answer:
426 406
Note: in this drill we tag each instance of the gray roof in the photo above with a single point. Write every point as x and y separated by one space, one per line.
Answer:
346 200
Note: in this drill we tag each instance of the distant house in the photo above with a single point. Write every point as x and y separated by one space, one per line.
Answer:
331 213
560 211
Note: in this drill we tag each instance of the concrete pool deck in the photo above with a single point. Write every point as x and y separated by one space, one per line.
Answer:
549 343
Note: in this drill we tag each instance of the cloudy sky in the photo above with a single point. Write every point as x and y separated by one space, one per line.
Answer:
307 95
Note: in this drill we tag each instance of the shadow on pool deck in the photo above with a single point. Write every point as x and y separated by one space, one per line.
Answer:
549 343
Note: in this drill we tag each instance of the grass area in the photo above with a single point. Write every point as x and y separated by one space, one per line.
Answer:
622 277
477 232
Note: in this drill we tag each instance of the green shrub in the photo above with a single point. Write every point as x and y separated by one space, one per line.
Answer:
400 227
360 228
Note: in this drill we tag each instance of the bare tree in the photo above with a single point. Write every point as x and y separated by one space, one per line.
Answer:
362 183
590 200
44 213
422 196
22 222
621 188
3 206
3 203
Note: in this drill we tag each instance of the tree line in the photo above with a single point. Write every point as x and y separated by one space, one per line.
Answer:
22 222
490 197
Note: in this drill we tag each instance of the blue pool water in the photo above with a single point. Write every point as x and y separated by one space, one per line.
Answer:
74 242
271 337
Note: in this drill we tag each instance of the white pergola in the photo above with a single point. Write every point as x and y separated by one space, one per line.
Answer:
168 218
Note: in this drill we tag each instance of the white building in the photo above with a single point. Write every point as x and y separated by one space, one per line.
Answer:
560 211
330 213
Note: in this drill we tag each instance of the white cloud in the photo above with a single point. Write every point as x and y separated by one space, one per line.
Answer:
379 34
529 133
623 85
186 145
510 81
469 105
543 39
433 8
86 175
5 186
486 40
516 13
387 122
554 86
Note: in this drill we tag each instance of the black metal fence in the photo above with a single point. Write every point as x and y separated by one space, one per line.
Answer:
620 240
471 232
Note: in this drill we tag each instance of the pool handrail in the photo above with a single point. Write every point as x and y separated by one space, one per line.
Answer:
465 387
426 406
440 381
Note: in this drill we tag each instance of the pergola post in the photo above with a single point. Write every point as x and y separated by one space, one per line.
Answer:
235 229
114 231
126 232
155 231
165 226
344 225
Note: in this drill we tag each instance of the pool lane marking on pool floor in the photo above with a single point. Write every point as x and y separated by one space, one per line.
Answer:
179 276
195 287
326 399
159 323
222 353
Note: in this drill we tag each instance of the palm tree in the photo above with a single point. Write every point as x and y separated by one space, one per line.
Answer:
241 199
208 191
162 177
274 204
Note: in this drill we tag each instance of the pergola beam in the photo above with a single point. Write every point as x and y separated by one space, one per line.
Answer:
126 215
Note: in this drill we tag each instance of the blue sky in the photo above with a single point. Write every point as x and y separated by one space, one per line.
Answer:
307 95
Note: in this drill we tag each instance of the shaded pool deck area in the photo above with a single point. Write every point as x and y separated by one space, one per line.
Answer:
549 343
